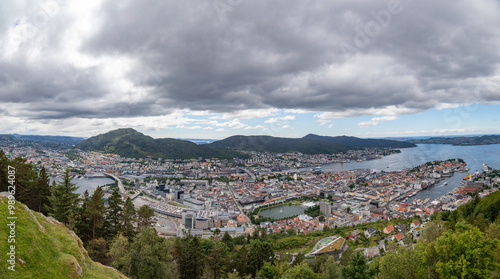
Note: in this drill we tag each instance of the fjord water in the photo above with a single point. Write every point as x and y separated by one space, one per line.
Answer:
474 156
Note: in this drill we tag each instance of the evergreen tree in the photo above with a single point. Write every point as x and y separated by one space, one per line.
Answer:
240 260
128 218
151 256
228 240
99 250
42 192
64 200
260 252
114 216
4 165
83 229
145 217
217 259
26 179
357 268
189 255
95 213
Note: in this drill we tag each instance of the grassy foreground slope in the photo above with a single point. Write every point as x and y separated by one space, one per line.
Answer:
46 249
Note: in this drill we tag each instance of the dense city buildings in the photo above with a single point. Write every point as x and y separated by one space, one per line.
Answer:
204 194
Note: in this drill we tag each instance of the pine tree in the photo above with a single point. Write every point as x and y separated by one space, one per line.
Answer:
145 217
64 200
260 252
128 218
189 255
84 231
95 212
218 260
25 181
228 240
4 163
114 216
357 268
42 192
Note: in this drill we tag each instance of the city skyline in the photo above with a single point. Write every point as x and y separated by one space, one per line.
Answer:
219 68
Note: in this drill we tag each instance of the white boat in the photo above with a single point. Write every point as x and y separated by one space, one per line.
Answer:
446 183
486 168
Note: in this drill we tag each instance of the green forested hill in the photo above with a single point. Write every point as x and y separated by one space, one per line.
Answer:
281 145
477 140
362 143
133 144
44 248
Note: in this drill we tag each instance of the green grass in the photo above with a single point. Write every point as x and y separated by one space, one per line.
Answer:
50 254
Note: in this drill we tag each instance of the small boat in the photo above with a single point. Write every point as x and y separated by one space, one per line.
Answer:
446 183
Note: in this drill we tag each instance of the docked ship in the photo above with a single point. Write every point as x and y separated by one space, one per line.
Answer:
316 170
486 168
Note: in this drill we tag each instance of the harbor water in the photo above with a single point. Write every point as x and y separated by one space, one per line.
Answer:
474 156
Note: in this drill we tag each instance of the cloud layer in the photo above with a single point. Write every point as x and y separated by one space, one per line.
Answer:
245 59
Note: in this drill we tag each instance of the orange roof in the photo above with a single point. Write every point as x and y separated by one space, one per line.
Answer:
399 236
389 228
241 219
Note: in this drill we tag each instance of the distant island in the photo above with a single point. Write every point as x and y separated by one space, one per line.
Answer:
462 141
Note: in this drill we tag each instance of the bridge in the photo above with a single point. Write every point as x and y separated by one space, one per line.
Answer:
122 189
120 184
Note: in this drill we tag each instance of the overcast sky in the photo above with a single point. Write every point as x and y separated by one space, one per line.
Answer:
215 68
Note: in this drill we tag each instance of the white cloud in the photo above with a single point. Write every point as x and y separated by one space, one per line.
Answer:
250 113
280 119
323 122
375 121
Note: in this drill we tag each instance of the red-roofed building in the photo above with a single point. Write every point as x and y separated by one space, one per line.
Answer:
241 219
415 224
354 234
399 236
389 229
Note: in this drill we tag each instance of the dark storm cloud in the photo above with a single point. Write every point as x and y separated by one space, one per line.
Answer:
317 56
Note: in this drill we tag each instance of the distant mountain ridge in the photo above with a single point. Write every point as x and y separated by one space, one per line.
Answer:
475 140
130 143
362 143
133 144
45 139
281 145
